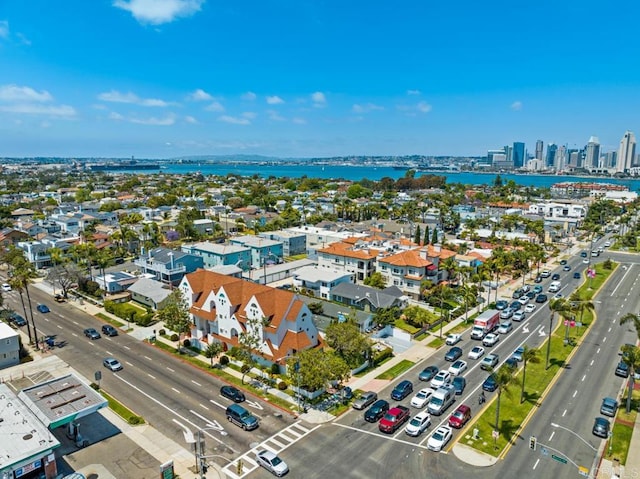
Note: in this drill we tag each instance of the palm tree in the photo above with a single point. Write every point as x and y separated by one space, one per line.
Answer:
529 355
442 293
22 276
503 377
634 319
17 286
562 307
631 357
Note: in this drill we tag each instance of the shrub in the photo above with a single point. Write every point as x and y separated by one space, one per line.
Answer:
224 360
133 420
174 337
245 369
282 385
275 369
162 332
234 351
186 343
378 357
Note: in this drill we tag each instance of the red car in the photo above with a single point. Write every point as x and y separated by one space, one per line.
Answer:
460 416
395 417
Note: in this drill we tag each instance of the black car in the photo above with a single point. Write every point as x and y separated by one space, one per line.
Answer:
109 330
428 373
490 384
622 369
601 427
501 304
18 320
609 407
577 275
453 354
402 390
555 277
538 279
515 305
541 298
376 411
564 261
511 363
459 383
232 393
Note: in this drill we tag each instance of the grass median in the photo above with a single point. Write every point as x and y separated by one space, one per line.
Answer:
395 371
513 411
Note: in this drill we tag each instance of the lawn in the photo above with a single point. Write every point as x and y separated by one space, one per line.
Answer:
402 324
512 412
121 410
396 370
618 448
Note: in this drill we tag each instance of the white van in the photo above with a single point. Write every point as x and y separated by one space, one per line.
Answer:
555 286
441 400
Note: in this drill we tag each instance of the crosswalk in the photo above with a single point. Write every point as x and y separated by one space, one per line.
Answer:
276 444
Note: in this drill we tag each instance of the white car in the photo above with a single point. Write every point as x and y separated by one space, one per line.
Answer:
530 308
439 438
546 273
457 368
476 352
523 300
421 399
518 316
440 379
505 327
453 339
6 287
271 462
418 424
490 339
607 244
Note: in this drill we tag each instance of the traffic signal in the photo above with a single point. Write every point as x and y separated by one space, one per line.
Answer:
533 442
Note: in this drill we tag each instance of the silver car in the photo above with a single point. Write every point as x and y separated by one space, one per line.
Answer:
365 400
272 462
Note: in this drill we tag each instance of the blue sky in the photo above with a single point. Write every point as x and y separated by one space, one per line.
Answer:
170 78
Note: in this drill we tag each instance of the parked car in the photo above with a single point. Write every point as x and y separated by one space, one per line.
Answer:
601 427
271 462
91 333
511 363
515 305
43 308
18 320
421 399
541 298
501 304
490 361
458 367
622 369
546 273
506 313
459 383
506 326
537 289
418 424
376 411
440 379
428 373
453 339
538 279
439 438
402 390
6 287
555 277
490 384
607 244
460 416
609 407
109 330
517 354
232 393
524 299
519 315
112 364
490 339
476 352
529 308
453 354
365 400
393 419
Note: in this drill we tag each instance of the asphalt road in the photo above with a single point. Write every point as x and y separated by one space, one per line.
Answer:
165 391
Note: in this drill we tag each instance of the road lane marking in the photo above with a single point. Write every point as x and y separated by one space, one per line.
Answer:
203 406
564 413
218 404
172 370
255 404
536 464
129 363
609 329
591 363
152 377
76 323
551 436
583 377
127 347
58 326
604 340
210 422
381 436
196 383
622 280
176 390
598 351
575 393
109 352
147 357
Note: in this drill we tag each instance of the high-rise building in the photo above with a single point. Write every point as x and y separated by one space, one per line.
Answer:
573 158
561 158
551 155
610 159
539 149
517 154
592 160
626 153
492 153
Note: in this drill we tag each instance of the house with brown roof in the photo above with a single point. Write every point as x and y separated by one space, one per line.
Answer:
351 257
407 270
224 307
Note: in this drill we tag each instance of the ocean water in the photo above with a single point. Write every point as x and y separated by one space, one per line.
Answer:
356 173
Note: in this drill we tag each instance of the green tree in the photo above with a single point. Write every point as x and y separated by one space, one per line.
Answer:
386 316
634 319
529 355
434 238
250 342
562 307
312 369
631 357
213 350
503 377
347 341
418 235
376 280
23 274
175 315
425 240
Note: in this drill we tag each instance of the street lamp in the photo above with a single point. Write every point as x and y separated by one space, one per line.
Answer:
553 424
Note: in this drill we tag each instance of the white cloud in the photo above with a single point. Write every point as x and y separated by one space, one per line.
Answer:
274 100
199 95
275 116
299 121
157 12
115 96
23 39
215 106
249 96
115 116
423 107
249 114
61 111
366 108
234 120
4 29
414 92
168 120
318 99
15 93
516 106
190 119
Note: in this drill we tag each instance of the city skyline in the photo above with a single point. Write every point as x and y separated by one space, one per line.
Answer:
173 78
